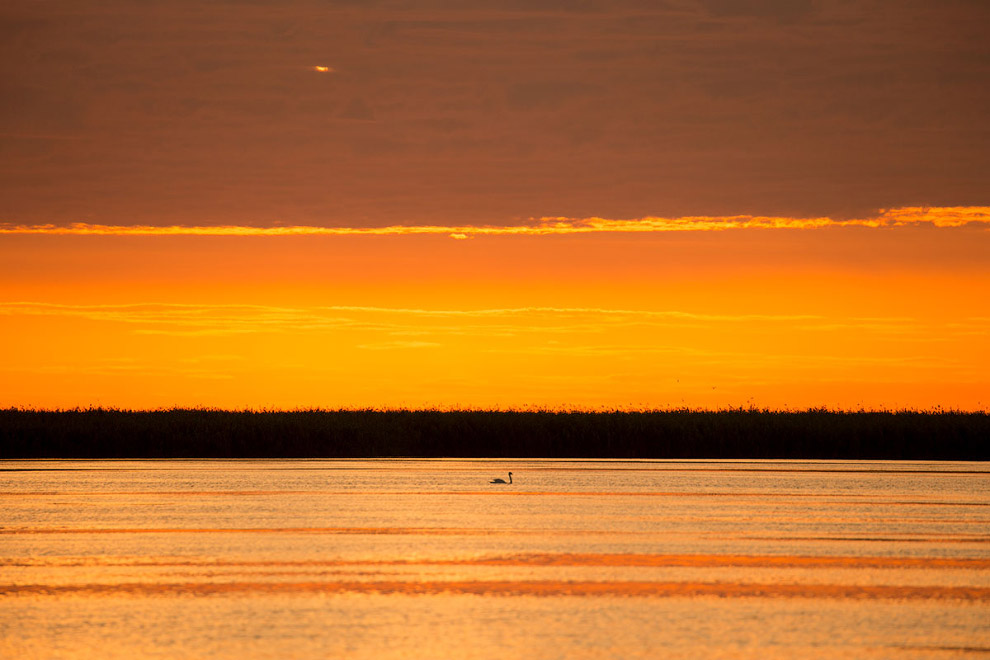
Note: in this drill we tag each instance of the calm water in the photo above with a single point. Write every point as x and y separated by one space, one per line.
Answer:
426 559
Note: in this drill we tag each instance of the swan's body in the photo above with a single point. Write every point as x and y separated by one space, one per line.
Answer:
502 481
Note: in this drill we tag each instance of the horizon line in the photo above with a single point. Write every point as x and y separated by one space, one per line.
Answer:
611 410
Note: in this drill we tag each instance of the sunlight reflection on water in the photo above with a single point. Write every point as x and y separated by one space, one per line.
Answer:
424 558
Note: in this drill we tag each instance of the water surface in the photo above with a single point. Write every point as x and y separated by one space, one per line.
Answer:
426 559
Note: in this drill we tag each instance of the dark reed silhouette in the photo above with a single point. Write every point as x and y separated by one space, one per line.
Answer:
739 433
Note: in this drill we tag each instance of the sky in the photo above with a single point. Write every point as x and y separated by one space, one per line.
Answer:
539 204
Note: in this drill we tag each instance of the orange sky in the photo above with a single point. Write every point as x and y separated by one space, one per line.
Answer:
843 316
701 203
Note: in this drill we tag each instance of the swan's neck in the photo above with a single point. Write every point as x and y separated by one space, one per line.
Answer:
510 478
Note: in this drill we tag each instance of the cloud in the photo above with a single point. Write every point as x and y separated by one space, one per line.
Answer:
186 319
941 217
219 319
193 312
203 320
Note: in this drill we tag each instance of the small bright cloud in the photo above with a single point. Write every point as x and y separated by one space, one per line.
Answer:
323 69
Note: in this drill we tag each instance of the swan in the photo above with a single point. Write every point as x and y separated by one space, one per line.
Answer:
501 481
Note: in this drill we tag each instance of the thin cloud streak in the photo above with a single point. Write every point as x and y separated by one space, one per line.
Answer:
219 319
940 217
226 319
195 313
145 311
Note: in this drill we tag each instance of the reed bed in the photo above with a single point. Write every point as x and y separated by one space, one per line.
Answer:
736 433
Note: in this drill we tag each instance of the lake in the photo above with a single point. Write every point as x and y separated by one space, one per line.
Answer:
427 559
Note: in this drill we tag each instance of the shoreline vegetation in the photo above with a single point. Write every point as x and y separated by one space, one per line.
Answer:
734 433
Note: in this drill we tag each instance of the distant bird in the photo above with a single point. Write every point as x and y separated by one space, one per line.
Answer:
501 481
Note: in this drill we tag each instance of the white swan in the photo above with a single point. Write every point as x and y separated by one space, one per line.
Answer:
501 481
